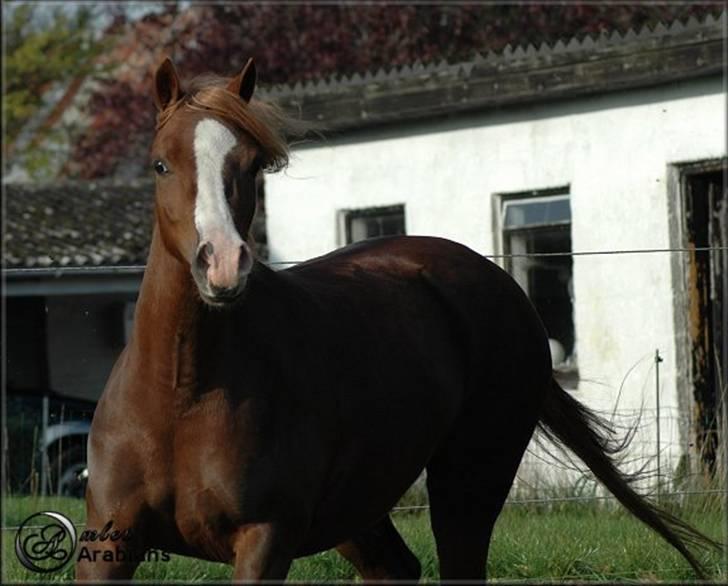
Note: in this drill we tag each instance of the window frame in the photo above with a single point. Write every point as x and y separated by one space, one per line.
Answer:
346 216
500 198
568 370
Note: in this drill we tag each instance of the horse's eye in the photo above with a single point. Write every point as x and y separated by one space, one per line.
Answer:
160 168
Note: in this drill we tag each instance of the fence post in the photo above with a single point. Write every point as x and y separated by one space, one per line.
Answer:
6 461
658 359
43 464
724 442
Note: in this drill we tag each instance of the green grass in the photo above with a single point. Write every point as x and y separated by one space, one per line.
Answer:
582 543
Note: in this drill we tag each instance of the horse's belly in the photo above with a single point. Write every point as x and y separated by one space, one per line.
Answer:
362 500
377 461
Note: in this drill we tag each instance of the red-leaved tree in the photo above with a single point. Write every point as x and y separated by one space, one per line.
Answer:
301 42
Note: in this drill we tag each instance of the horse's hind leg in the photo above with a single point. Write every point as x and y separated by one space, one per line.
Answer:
380 553
468 481
462 523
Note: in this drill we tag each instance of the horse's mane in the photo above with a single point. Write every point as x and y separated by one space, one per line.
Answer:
264 122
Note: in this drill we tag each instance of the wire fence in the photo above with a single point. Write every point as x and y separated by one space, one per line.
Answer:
647 447
661 454
692 249
664 467
132 269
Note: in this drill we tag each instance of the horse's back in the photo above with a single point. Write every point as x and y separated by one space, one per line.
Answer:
492 316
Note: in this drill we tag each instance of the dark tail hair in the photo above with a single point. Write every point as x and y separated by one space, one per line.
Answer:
566 421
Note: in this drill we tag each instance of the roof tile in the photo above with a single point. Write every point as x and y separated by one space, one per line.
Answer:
77 224
85 224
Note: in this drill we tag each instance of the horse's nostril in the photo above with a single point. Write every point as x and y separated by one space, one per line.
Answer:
223 293
204 252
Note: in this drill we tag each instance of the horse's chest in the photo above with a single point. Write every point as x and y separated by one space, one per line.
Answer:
212 450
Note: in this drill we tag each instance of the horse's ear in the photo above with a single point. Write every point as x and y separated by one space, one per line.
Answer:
166 85
243 84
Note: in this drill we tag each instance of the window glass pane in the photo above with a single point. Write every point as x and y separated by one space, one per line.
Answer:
373 227
374 222
538 225
524 213
359 229
392 225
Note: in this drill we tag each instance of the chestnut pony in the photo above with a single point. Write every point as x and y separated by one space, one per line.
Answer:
258 416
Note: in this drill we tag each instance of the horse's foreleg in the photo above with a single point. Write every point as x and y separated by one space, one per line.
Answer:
261 553
380 553
103 555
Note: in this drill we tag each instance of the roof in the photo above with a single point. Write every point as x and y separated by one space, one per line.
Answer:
106 224
517 75
77 224
84 224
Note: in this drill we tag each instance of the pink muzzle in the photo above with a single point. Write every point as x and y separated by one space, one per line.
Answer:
223 262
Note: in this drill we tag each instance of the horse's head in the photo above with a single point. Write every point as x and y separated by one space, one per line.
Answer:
212 143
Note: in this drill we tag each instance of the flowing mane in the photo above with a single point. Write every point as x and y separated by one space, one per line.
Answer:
263 121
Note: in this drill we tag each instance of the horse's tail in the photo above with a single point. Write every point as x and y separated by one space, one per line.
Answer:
566 421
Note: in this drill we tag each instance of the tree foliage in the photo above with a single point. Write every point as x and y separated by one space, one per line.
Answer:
38 54
298 42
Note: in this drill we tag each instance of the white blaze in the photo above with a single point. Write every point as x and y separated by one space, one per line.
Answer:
213 141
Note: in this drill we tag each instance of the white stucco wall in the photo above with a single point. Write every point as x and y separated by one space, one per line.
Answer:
614 152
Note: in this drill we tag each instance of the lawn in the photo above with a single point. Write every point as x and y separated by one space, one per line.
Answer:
581 543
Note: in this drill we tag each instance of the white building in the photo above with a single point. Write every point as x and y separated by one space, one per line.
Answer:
599 145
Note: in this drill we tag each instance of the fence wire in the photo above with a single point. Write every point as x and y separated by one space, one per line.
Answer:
641 456
131 269
570 499
577 253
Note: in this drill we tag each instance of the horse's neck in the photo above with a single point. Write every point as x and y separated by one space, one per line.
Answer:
166 322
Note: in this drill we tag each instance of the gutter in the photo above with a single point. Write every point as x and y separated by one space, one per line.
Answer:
20 282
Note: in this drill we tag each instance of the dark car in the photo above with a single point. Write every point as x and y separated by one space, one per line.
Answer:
47 436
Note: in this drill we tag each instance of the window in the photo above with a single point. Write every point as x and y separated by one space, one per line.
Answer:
372 222
537 223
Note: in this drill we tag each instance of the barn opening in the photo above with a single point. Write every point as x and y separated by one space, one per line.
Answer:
706 229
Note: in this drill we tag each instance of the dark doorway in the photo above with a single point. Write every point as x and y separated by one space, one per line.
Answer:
706 218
